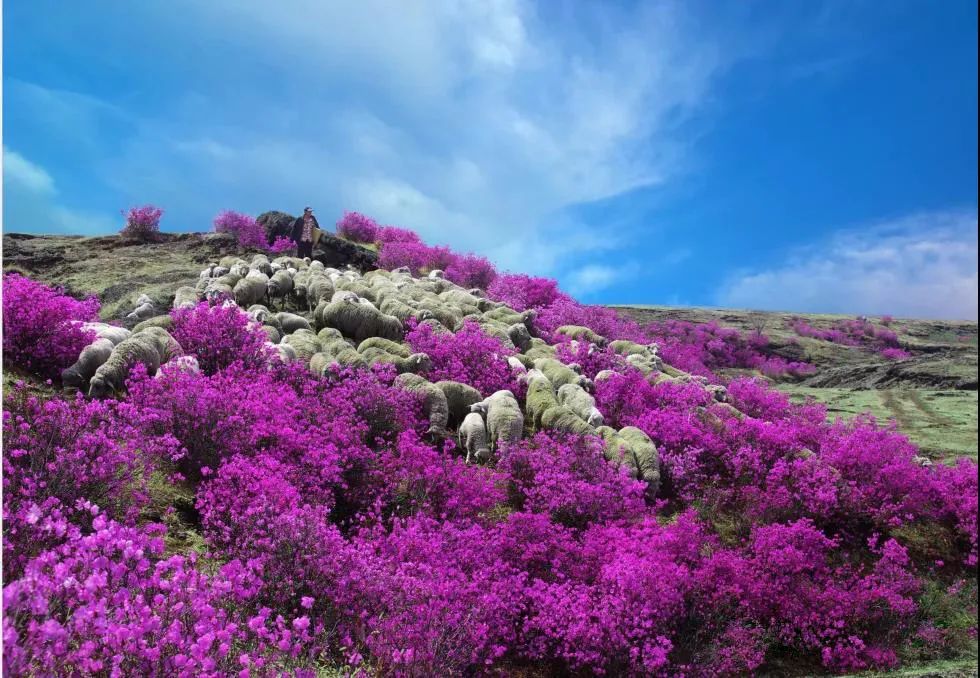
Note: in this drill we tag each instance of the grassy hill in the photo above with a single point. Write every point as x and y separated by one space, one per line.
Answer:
932 396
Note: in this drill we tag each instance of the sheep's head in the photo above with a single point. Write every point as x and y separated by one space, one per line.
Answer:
480 408
71 377
99 387
419 362
595 417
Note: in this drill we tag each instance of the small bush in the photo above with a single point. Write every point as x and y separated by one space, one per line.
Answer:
142 223
357 227
219 336
42 330
247 231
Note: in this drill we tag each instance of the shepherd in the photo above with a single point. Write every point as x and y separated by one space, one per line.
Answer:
305 232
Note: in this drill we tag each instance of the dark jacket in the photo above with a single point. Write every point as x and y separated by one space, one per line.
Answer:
298 227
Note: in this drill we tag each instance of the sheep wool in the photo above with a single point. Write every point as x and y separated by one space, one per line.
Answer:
581 403
186 297
89 360
305 343
392 347
290 322
505 423
110 377
434 403
164 321
358 321
473 437
460 397
562 419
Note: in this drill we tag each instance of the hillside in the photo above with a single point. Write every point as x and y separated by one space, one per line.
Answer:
394 460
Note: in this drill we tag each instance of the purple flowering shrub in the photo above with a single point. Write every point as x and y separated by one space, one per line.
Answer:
390 234
282 245
469 356
42 330
894 353
417 256
469 270
247 231
358 227
857 332
219 336
142 223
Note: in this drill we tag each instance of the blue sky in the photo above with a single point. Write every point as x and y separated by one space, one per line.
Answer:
807 156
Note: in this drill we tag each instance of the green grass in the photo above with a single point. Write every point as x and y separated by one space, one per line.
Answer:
942 423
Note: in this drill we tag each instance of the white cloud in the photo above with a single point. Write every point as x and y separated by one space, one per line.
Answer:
30 204
475 122
20 172
923 265
585 281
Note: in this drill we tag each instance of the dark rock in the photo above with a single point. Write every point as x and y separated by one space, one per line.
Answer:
276 224
338 253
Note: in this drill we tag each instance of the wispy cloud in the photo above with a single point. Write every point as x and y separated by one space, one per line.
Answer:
923 265
477 123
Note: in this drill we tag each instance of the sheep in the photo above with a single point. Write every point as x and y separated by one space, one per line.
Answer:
284 352
218 270
240 268
259 313
392 347
473 437
328 334
581 403
580 332
516 366
305 343
642 458
403 311
272 335
142 312
540 351
434 403
416 362
922 461
143 299
279 285
260 262
540 397
505 423
509 316
519 336
228 261
184 363
290 322
562 419
460 398
89 360
524 360
111 376
216 291
186 297
349 357
320 289
164 321
167 346
642 362
625 347
604 374
320 363
437 273
317 266
558 373
358 321
106 331
249 291
462 299
344 295
718 392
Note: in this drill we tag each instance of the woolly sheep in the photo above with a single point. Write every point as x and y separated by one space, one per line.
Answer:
473 437
111 376
509 316
320 289
436 273
260 262
285 352
317 266
581 403
305 343
403 311
604 374
184 363
562 419
416 362
164 321
320 362
279 285
272 335
143 299
142 312
434 403
642 457
228 261
580 332
249 291
460 397
89 360
218 290
625 347
392 347
240 268
290 322
106 331
344 295
538 352
519 336
167 346
558 373
358 321
219 270
258 313
186 297
539 399
505 423
327 334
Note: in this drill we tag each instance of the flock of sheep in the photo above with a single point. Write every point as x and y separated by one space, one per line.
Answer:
349 319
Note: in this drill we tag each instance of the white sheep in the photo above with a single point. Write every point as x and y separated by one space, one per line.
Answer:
89 360
186 297
581 403
142 312
106 331
358 321
473 437
290 322
516 366
505 423
184 363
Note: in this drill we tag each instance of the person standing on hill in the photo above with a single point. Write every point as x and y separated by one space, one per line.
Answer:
303 229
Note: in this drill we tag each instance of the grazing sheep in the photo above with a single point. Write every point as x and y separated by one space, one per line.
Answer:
580 332
539 352
416 362
328 334
604 374
167 346
581 403
272 335
540 397
89 360
228 261
290 322
106 331
143 299
305 343
344 295
524 360
259 313
249 291
184 363
260 262
562 419
516 366
142 312
403 311
558 373
240 268
279 285
320 362
507 315
460 398
473 437
462 299
186 297
505 423
319 289
110 376
519 336
164 321
284 352
216 291
642 457
392 347
718 392
219 270
358 321
625 347
922 461
437 273
434 403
